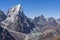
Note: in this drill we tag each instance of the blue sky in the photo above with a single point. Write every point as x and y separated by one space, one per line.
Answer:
32 8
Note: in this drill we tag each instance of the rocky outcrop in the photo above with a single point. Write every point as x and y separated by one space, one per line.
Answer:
5 35
2 16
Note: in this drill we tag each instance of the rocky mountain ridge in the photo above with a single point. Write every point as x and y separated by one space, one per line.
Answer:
16 26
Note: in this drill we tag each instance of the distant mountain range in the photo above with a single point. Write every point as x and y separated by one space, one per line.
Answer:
16 26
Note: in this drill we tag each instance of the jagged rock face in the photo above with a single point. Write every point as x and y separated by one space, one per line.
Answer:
17 21
40 20
40 23
5 35
43 23
2 16
58 20
52 22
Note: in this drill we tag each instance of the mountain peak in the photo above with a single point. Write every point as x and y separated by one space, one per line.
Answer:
42 15
18 7
15 8
17 21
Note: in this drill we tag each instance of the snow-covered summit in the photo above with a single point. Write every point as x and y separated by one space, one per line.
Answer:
17 21
15 9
